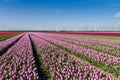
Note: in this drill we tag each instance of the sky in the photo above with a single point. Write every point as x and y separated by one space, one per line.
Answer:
59 14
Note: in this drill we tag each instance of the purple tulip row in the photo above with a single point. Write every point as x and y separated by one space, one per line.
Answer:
98 40
64 66
107 42
6 42
101 48
99 57
18 62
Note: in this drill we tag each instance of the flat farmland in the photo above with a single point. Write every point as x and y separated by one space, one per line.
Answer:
6 35
60 56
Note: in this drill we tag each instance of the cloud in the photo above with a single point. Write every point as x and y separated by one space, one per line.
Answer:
117 15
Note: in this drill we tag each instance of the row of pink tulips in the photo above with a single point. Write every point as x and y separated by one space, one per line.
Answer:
101 48
18 62
6 42
64 66
99 57
108 42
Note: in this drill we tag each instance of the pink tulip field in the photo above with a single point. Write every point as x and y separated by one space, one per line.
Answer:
52 56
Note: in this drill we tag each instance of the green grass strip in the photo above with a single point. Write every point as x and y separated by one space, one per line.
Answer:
95 36
6 36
